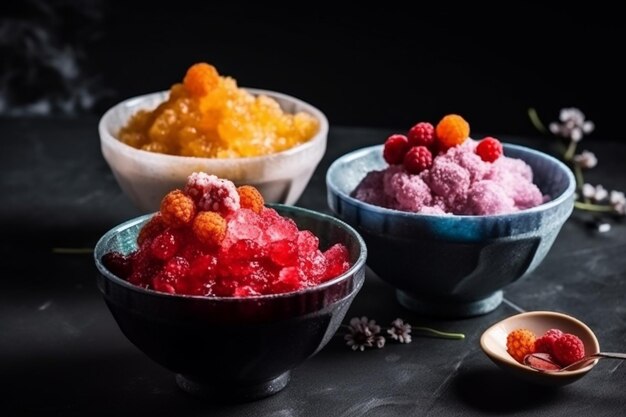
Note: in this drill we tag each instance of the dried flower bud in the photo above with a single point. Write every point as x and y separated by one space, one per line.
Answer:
586 160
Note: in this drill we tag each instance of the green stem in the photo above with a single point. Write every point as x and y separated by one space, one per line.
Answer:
72 251
536 121
571 149
593 207
445 335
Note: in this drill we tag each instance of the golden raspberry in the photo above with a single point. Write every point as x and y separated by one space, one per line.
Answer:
250 198
209 227
520 343
452 130
177 209
150 230
200 79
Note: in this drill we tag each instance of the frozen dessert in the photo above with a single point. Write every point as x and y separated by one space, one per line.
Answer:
441 170
207 115
215 239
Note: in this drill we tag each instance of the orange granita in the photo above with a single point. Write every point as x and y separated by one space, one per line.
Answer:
207 115
452 130
250 198
519 343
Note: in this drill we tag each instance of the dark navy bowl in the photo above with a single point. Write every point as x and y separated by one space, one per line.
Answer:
452 266
228 348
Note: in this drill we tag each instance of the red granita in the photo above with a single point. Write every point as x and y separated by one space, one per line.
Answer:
221 248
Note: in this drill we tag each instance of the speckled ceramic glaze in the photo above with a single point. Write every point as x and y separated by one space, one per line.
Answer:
454 266
227 348
145 177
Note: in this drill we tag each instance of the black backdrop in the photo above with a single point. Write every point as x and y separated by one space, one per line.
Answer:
384 66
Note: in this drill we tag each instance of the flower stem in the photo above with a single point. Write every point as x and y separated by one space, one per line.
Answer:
72 251
445 335
571 149
536 121
592 207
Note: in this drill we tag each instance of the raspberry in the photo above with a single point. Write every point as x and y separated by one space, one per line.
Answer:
214 194
417 159
452 130
209 228
200 79
250 198
489 149
568 349
545 343
422 134
177 209
119 264
396 146
165 245
520 343
150 230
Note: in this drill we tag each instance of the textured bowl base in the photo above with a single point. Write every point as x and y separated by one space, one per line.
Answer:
446 309
220 391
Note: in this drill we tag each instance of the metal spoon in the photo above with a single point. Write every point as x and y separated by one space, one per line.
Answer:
543 361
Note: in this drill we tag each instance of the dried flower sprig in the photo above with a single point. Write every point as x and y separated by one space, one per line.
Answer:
572 127
363 333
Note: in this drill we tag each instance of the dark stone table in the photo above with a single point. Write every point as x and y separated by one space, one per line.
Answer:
62 354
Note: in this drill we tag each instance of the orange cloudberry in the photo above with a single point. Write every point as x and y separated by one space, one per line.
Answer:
250 198
520 343
209 227
452 130
177 209
200 79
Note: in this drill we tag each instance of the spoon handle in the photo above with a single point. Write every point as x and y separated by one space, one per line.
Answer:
612 355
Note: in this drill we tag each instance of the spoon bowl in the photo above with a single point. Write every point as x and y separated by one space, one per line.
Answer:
544 362
493 343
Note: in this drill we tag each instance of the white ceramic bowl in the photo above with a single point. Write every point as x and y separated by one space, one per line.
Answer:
493 343
145 177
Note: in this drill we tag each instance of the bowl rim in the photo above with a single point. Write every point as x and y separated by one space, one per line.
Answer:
357 265
319 138
510 362
334 189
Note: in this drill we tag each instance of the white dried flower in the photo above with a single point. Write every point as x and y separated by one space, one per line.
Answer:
618 201
400 331
573 125
597 193
363 333
586 160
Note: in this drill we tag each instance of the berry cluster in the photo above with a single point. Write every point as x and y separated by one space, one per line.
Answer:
416 150
215 239
564 348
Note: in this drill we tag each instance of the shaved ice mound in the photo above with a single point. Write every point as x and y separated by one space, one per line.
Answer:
462 180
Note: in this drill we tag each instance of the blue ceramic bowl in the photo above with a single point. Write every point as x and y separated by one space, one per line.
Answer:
227 348
452 266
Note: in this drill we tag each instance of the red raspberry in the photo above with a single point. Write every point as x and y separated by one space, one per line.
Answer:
119 264
396 146
165 245
545 344
171 279
417 159
422 134
489 149
568 349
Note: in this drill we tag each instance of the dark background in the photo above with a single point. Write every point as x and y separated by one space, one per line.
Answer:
384 66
